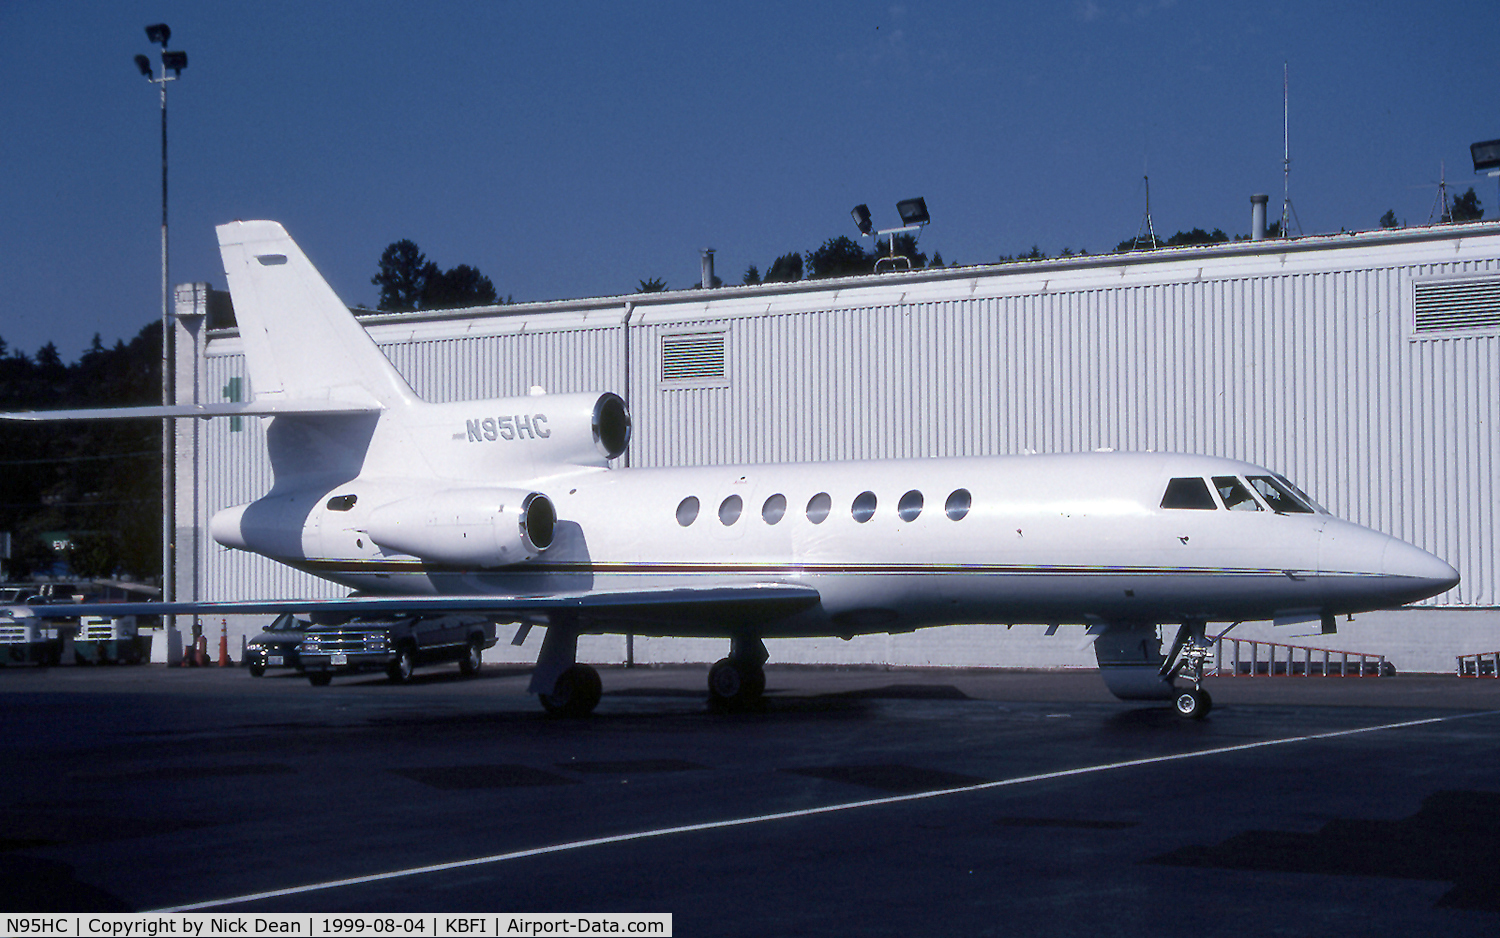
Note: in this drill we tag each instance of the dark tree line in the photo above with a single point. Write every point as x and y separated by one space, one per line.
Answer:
408 281
98 483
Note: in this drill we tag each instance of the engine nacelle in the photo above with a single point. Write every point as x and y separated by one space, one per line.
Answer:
469 527
547 429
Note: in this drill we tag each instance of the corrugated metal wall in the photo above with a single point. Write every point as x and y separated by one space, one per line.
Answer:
1301 357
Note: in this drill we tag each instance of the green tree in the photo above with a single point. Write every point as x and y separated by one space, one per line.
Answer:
752 275
403 275
785 269
1388 220
839 257
1466 207
654 285
461 287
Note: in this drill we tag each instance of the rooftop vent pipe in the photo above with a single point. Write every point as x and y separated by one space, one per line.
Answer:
1258 216
708 268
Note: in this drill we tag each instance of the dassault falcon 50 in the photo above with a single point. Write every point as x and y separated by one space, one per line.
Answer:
509 508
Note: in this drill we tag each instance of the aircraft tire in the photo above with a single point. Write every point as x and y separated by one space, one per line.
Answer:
732 685
400 670
320 678
473 658
575 694
1193 704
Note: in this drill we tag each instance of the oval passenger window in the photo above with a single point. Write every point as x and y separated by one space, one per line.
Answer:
958 504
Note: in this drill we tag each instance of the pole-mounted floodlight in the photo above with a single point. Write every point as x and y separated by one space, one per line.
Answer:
1486 155
913 211
861 215
160 34
913 214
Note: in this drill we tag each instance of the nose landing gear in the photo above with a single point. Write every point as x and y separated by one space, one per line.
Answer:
1190 654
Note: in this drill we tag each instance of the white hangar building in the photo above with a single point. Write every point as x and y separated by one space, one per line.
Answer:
1362 366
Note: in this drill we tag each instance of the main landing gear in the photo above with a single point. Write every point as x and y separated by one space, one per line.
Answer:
575 693
738 681
569 689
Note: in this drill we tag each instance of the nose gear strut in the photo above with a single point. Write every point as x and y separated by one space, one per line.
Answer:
1190 651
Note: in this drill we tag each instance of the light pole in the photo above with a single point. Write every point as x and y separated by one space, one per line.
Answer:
160 33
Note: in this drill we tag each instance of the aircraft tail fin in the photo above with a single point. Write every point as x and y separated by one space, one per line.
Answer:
301 342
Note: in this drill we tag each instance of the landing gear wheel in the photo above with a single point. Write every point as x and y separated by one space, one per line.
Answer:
733 685
319 678
472 659
1193 704
575 694
400 670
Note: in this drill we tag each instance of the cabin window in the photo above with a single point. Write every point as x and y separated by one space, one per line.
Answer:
818 507
1189 493
342 502
687 511
729 510
1280 497
863 508
774 509
910 506
958 504
1236 496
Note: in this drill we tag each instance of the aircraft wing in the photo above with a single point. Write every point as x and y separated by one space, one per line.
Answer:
730 604
265 408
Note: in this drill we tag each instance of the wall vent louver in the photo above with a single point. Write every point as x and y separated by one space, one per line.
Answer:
1450 305
692 357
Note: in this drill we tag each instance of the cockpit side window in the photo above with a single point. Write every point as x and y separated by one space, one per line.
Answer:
1236 496
1189 493
1281 498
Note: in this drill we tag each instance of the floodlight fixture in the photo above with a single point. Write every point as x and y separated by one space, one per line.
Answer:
913 211
176 61
159 33
1486 155
144 64
861 215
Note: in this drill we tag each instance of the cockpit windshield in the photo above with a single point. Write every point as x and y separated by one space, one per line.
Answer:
1282 496
1236 496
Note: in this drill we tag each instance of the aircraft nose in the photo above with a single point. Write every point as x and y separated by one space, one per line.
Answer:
1424 574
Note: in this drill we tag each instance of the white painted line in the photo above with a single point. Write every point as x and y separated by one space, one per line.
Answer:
804 812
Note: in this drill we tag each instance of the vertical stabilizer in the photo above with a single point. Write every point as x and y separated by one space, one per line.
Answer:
301 341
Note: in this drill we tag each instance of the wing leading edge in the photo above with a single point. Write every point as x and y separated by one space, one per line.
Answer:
750 602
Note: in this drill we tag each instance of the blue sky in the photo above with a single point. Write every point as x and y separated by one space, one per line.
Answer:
575 148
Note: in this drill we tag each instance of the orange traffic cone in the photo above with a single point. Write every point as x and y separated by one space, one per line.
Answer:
223 643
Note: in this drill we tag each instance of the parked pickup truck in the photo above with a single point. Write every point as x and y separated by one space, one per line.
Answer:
397 646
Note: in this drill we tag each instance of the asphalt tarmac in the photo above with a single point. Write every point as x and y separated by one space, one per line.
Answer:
855 801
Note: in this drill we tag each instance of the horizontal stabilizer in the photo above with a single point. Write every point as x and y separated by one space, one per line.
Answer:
757 601
248 409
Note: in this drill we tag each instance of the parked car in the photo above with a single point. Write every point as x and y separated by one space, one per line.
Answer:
397 646
276 646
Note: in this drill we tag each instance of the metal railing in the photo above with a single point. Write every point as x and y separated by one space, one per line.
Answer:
1253 658
1485 664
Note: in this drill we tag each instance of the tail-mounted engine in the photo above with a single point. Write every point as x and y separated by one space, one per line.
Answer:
546 429
469 527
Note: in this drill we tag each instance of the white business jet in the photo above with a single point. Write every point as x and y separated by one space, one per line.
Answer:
509 508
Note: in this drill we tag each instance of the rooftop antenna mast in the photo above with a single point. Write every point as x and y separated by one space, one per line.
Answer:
1443 215
1288 213
1145 225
